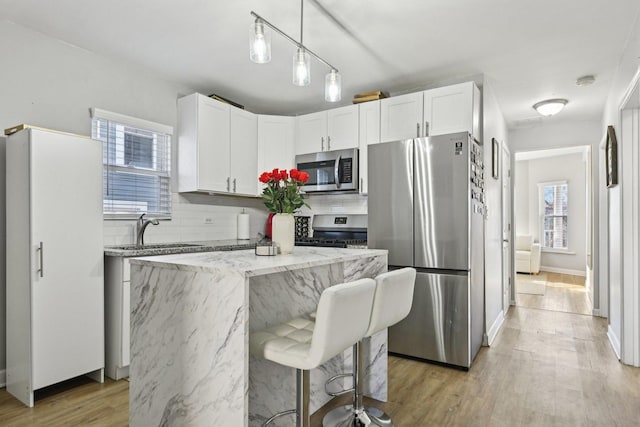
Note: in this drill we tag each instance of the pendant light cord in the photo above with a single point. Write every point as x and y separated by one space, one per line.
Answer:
301 16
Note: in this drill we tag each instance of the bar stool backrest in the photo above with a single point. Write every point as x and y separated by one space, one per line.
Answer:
393 299
342 318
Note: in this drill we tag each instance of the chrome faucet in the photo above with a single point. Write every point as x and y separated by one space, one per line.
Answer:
141 225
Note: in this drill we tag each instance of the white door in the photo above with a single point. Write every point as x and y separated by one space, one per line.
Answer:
67 298
311 133
213 144
507 235
243 152
342 128
448 109
369 134
401 117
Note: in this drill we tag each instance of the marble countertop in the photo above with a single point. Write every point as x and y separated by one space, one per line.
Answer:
179 247
249 264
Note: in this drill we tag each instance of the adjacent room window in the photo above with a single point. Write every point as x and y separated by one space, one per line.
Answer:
554 208
136 157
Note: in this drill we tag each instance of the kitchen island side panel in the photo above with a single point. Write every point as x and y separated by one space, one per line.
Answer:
188 339
191 316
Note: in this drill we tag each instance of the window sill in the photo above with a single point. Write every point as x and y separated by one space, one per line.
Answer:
558 251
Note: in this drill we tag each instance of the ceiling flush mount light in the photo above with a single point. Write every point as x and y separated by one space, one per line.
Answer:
550 107
260 53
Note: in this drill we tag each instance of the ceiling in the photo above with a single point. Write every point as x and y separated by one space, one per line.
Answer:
528 50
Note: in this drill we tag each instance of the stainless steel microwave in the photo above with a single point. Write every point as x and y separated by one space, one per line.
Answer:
330 170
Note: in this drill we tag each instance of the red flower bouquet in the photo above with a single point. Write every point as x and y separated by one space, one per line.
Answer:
282 192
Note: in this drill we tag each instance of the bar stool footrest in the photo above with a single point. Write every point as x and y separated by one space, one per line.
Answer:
278 415
340 392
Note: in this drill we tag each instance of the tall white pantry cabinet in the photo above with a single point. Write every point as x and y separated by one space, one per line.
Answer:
55 290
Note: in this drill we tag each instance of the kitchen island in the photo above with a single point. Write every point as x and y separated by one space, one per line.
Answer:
191 316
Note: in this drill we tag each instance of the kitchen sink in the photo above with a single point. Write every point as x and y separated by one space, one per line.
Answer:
155 246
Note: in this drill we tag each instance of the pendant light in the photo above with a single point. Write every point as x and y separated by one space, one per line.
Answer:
260 52
259 43
301 68
333 86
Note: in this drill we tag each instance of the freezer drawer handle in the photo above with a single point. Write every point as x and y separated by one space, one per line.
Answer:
41 253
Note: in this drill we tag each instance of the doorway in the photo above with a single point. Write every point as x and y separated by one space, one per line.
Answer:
553 230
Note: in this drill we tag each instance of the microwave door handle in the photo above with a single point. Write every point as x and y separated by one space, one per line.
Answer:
336 170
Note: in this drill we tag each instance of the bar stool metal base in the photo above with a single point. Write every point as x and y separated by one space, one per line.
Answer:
345 416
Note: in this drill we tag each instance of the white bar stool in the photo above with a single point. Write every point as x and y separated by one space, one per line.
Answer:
392 303
304 344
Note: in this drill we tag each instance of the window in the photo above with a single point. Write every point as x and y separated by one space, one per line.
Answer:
136 157
553 207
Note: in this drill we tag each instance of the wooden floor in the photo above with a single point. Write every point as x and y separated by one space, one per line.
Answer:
563 292
545 368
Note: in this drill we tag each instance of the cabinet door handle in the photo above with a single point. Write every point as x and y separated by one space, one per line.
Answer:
426 128
322 143
40 250
234 185
228 184
418 130
361 184
328 143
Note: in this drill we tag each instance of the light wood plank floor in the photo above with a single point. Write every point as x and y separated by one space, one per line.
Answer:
545 368
563 292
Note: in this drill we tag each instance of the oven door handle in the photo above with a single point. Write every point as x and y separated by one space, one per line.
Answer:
336 172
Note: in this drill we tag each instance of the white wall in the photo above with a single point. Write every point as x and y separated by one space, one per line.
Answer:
570 168
47 83
3 260
521 207
493 127
610 241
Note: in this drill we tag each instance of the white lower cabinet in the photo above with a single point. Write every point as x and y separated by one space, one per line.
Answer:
55 284
117 286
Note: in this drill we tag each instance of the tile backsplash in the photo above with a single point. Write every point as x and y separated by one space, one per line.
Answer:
214 217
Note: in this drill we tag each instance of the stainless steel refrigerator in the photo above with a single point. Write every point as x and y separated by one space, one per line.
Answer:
426 206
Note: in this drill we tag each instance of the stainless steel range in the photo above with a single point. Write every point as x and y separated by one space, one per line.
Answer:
337 231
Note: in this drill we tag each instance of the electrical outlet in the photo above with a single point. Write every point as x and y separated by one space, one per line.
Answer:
208 220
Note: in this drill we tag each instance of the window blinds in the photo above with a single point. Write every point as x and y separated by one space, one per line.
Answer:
136 164
555 220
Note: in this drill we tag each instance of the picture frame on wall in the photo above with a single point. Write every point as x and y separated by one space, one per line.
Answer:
611 157
495 158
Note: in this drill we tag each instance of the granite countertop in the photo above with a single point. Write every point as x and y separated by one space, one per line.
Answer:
179 247
247 263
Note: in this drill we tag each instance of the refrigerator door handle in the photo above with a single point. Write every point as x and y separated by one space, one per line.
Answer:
336 171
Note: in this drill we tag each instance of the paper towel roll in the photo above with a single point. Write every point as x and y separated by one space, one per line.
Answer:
243 226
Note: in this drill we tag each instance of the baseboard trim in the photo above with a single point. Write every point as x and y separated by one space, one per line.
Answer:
3 378
563 271
615 342
495 328
596 312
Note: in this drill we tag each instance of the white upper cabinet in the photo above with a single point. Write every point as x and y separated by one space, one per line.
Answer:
276 143
439 111
452 109
243 152
369 134
217 147
311 133
342 128
400 117
335 129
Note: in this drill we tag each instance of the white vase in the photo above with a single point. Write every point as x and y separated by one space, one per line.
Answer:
283 229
